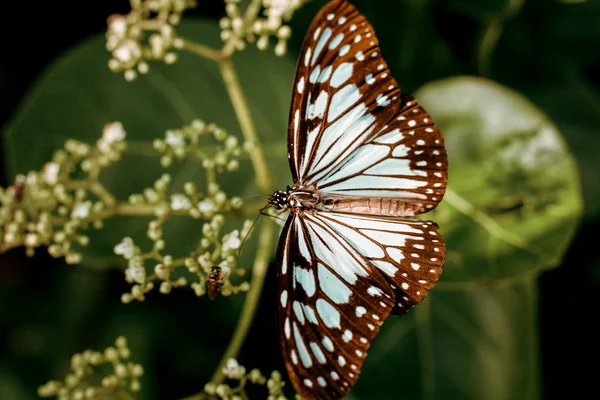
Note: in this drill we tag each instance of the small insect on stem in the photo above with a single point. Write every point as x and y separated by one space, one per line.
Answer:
215 280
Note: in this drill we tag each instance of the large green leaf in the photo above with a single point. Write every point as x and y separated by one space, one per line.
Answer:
78 94
514 198
472 344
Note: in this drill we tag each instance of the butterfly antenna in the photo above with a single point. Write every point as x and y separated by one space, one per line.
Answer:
261 212
255 196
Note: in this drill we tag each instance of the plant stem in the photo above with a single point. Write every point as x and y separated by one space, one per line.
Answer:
240 106
202 50
488 42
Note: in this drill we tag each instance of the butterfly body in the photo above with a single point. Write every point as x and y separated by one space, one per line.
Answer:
300 198
364 159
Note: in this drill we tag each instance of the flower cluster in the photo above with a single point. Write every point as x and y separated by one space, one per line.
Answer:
236 372
52 206
209 265
216 147
126 35
214 249
239 28
78 385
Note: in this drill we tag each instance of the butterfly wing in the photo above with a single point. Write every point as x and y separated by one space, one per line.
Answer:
340 276
351 131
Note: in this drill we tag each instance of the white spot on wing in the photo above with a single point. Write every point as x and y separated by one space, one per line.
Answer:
301 85
320 44
306 279
360 311
342 100
327 343
302 350
332 286
318 352
341 74
329 314
336 41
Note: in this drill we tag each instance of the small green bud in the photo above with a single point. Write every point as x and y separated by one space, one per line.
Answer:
198 288
136 291
135 386
71 380
217 221
189 188
90 393
73 258
255 375
124 353
165 288
198 125
136 199
236 202
159 145
166 161
96 358
121 371
223 390
151 196
220 197
111 354
137 370
213 188
231 142
210 388
220 159
233 165
121 342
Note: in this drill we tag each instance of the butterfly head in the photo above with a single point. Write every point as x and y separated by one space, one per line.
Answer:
279 200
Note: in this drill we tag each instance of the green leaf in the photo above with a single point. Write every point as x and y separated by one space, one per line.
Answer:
473 344
78 94
514 198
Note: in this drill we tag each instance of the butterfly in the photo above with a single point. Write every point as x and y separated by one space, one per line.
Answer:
364 158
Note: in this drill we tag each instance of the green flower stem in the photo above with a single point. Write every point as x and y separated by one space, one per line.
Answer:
96 188
263 181
202 50
259 272
491 35
240 106
487 44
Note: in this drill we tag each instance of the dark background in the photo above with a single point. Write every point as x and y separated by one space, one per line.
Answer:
34 34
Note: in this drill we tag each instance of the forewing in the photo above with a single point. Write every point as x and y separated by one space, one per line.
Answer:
340 276
351 130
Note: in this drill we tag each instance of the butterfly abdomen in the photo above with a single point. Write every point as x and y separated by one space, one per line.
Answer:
384 206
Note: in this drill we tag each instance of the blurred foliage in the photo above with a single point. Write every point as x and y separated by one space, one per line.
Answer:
476 335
